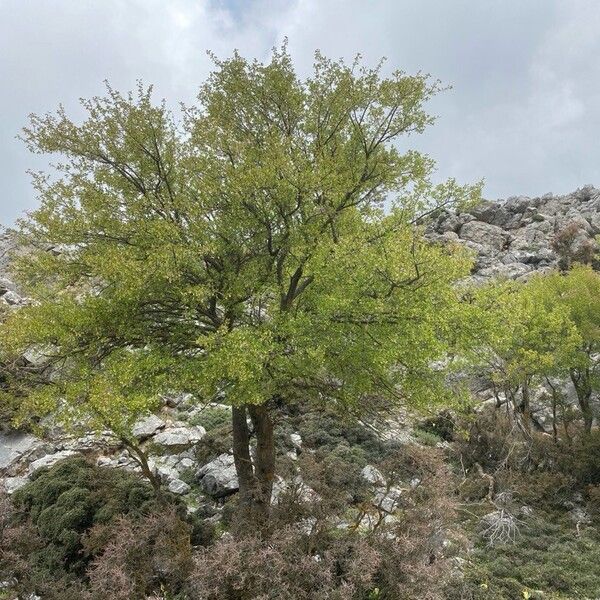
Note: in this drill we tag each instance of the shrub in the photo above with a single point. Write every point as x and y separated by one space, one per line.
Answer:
548 556
212 417
442 425
49 545
571 245
426 437
135 556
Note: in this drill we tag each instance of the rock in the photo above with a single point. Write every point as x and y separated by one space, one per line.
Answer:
49 460
176 400
300 490
12 298
12 484
148 426
485 234
372 475
93 441
179 487
296 440
6 285
219 478
14 446
388 500
179 436
510 271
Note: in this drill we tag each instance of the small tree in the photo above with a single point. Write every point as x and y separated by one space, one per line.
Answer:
547 327
522 339
242 252
577 294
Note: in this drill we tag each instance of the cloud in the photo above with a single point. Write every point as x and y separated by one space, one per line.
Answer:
522 113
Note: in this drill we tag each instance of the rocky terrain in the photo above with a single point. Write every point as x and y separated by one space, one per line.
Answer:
188 447
511 239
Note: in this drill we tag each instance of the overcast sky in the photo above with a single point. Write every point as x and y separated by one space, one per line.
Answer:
524 111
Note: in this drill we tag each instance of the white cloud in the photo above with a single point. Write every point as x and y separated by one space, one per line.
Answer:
523 112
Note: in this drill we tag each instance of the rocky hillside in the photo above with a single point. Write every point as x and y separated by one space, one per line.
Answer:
511 238
514 237
484 542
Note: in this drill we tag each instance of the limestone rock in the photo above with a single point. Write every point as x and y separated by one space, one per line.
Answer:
179 487
49 460
147 427
219 478
180 436
485 234
14 446
12 484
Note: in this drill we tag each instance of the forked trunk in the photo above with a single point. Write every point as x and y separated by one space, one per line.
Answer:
255 473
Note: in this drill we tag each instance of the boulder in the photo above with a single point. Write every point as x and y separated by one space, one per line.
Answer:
218 477
179 487
6 285
12 298
484 234
14 446
49 460
180 436
148 426
372 475
12 484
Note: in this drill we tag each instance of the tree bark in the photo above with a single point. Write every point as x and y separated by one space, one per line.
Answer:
583 386
255 475
241 454
140 457
264 467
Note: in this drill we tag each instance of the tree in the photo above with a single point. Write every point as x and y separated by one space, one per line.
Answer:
242 252
547 327
577 295
522 339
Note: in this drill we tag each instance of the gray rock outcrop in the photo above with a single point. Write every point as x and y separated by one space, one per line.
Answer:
513 238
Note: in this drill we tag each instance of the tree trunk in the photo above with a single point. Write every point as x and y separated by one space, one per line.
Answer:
264 466
583 386
140 457
525 406
255 476
241 454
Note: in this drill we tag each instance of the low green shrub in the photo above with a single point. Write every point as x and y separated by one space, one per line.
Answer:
549 560
426 437
212 417
63 520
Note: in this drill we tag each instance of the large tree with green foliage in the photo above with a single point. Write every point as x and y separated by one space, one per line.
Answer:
242 251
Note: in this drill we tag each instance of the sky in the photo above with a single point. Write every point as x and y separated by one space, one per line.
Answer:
523 112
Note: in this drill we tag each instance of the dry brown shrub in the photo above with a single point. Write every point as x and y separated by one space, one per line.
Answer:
282 567
324 552
139 556
573 246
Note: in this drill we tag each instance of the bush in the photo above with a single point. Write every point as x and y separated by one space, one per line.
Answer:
548 557
426 437
136 556
338 565
53 531
442 425
212 417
